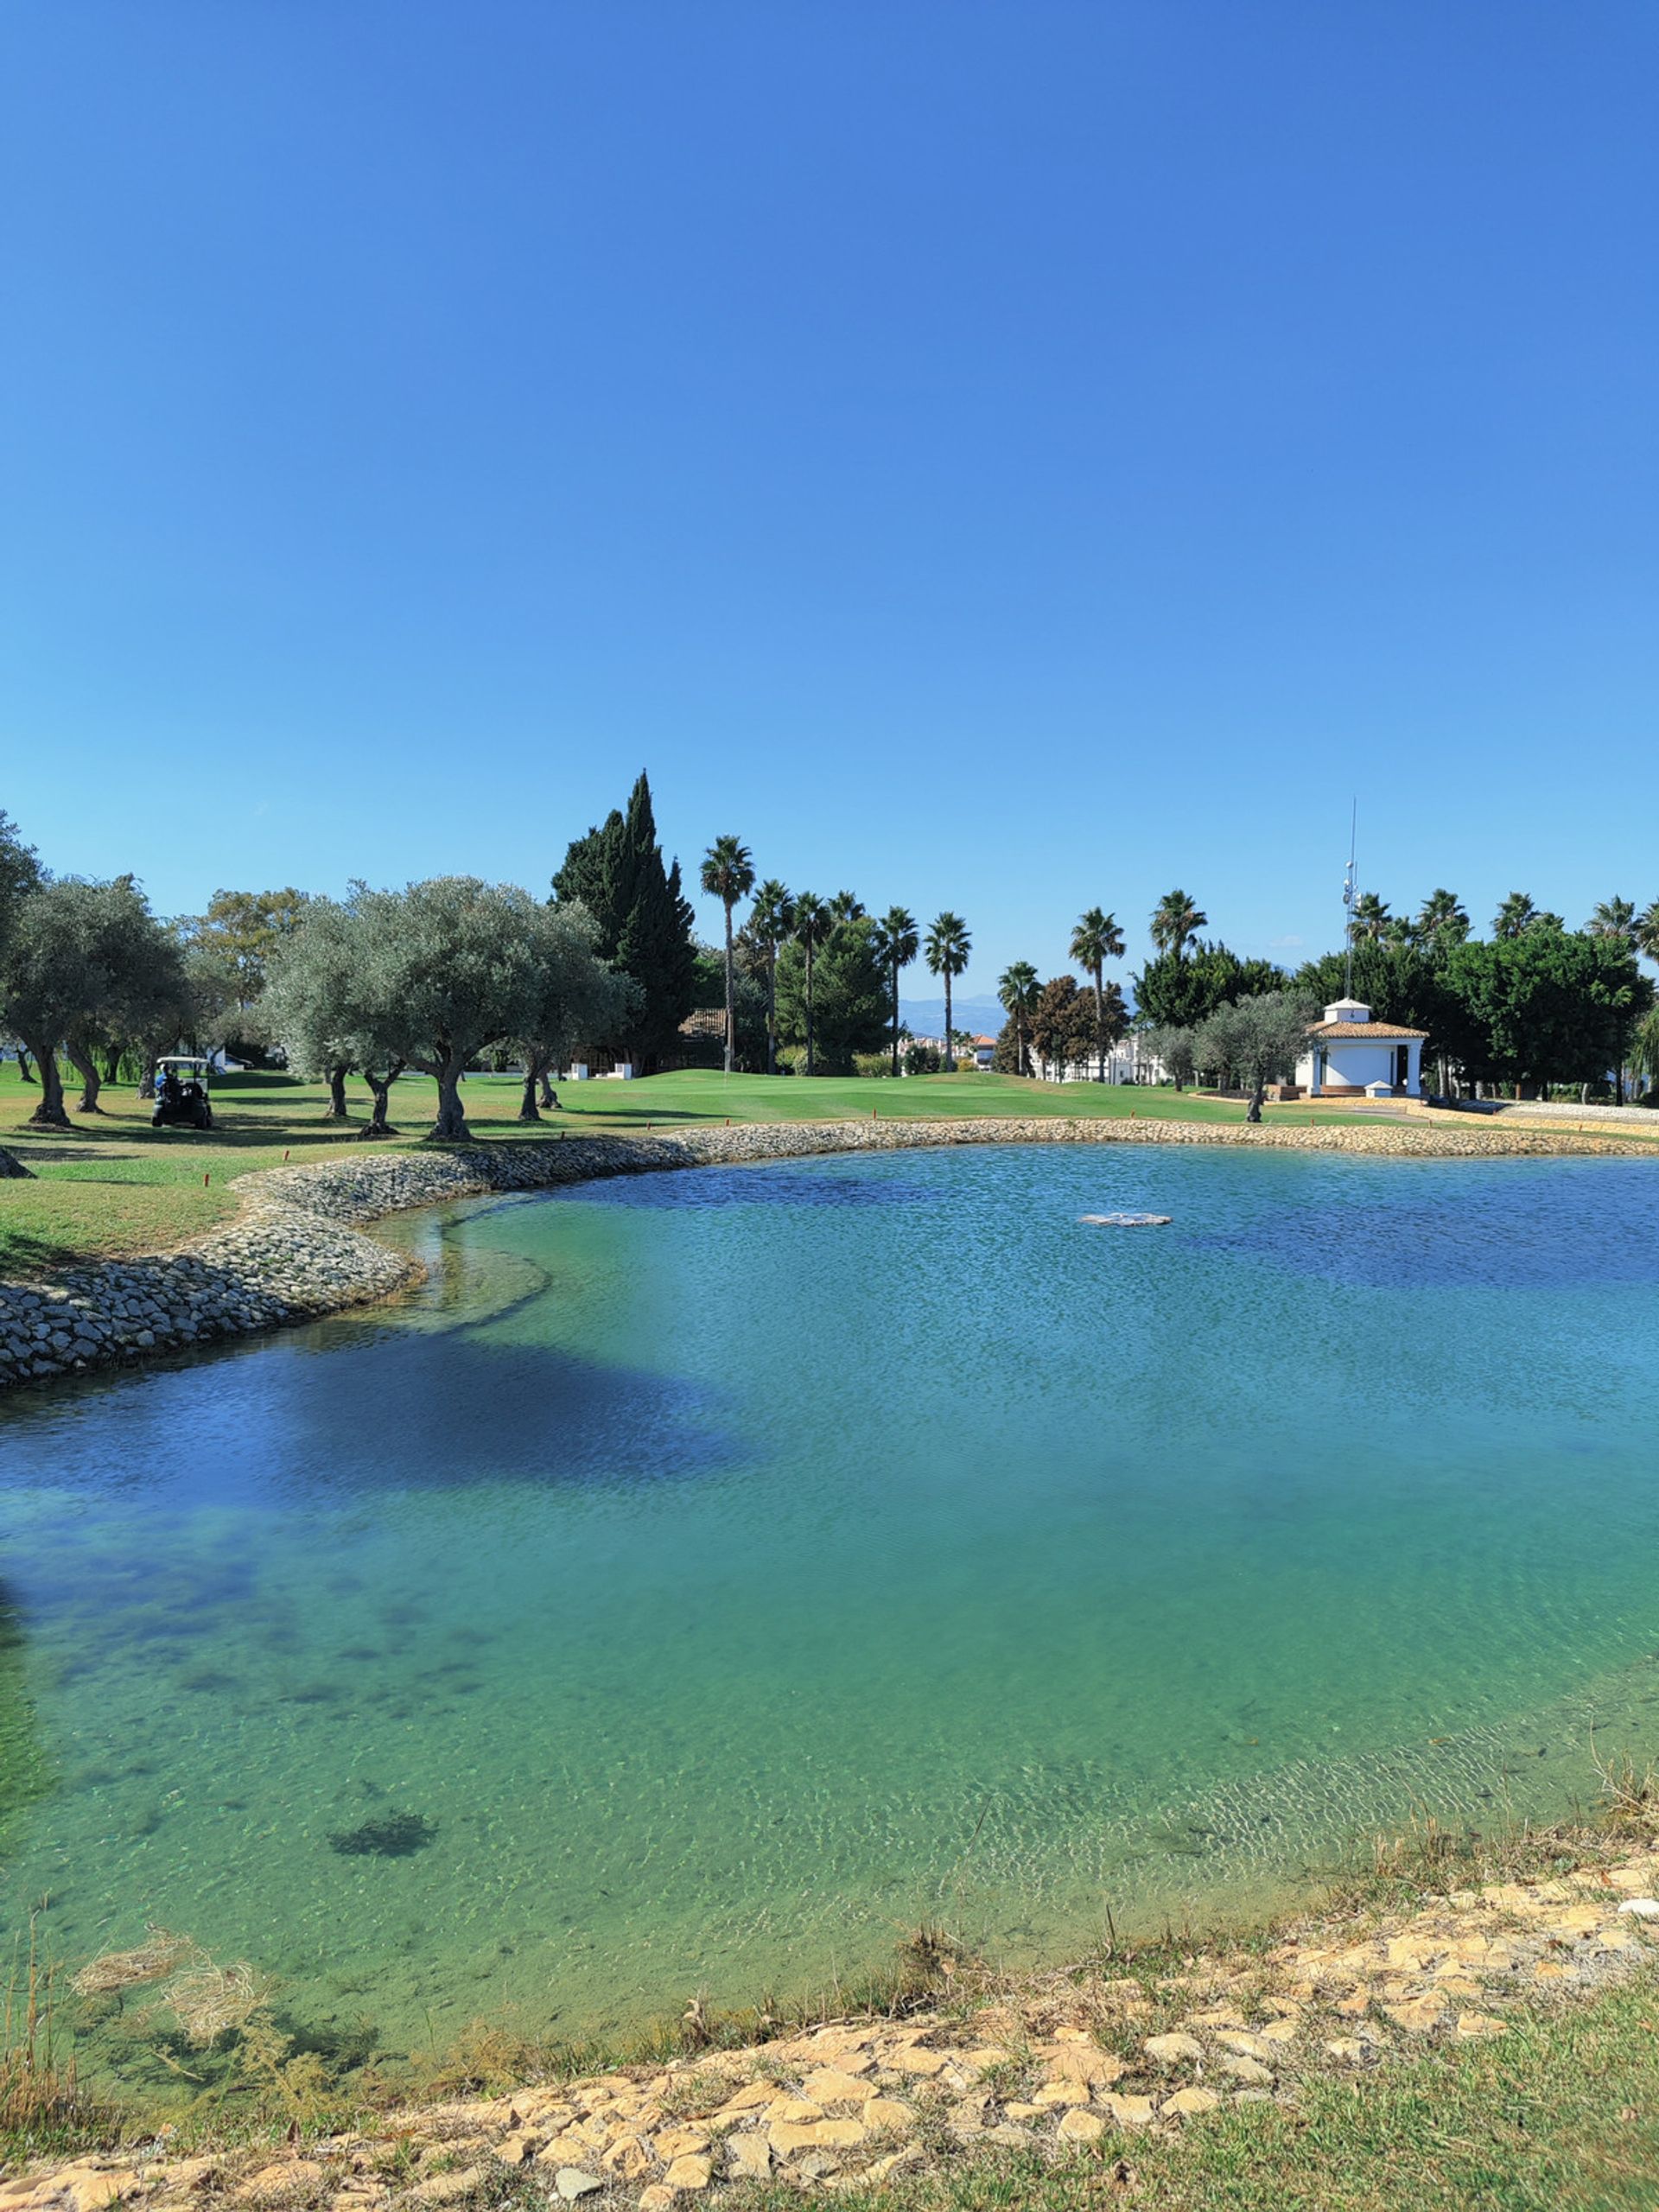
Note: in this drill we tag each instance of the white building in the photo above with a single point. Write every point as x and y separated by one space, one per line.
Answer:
1130 1060
1350 1056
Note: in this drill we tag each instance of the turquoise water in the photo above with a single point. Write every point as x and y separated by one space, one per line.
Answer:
728 1571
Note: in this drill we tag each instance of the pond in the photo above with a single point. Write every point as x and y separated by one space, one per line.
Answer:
712 1576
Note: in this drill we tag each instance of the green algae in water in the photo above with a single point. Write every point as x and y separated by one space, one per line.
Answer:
737 1569
391 1835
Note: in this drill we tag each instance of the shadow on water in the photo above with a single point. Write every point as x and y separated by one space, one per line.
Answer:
385 1412
1576 1231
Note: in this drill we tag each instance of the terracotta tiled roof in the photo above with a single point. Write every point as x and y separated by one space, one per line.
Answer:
1361 1029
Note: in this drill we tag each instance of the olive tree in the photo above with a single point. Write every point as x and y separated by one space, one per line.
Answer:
431 977
321 1005
143 994
579 998
84 962
1172 1046
453 966
1257 1040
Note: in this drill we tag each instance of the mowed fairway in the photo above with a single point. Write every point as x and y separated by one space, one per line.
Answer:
112 1186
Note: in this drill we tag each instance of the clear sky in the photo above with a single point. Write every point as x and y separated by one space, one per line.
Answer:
1007 456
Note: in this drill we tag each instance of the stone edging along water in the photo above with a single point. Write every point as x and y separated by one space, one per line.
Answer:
297 1251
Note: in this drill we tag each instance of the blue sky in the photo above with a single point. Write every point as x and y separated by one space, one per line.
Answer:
1004 456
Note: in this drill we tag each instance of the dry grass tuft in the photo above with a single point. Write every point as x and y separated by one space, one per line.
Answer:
210 2001
1631 1793
152 1961
41 2103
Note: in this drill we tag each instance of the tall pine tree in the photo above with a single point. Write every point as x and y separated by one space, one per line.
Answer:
643 921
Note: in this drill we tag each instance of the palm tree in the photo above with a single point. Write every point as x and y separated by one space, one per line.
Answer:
1647 932
845 906
1443 920
1019 990
947 949
895 944
1614 917
1176 919
771 923
813 923
1371 917
1095 940
1516 915
729 875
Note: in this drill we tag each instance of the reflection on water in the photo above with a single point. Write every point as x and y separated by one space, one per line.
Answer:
710 1576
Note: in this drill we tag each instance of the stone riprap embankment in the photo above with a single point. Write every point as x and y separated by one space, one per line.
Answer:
1075 2069
296 1252
277 1265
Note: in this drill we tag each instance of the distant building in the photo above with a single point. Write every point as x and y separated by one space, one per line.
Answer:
1350 1056
984 1051
1130 1060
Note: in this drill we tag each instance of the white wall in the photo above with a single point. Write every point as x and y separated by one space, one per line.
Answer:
1353 1065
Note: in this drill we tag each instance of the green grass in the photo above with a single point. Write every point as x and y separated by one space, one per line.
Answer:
112 1186
1560 2115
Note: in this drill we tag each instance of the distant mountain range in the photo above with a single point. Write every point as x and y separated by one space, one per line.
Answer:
925 1017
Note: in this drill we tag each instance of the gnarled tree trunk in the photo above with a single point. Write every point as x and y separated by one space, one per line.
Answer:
24 1075
11 1166
49 1114
450 1126
85 1062
379 1086
337 1110
535 1084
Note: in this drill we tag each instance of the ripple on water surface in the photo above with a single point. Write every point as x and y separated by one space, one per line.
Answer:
718 1571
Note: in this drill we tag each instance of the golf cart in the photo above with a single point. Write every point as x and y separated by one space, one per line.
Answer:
181 1093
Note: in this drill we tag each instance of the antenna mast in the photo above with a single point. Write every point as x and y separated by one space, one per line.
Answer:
1350 893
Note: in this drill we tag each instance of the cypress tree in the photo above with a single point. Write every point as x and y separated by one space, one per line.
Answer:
643 917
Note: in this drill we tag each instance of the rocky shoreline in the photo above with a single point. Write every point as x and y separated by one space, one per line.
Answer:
298 1252
1073 2066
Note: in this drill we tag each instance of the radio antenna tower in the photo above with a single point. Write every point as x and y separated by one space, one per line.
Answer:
1349 894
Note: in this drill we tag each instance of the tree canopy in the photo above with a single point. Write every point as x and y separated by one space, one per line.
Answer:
84 964
1548 1006
432 976
1177 990
851 991
1061 1024
642 920
1255 1041
240 933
